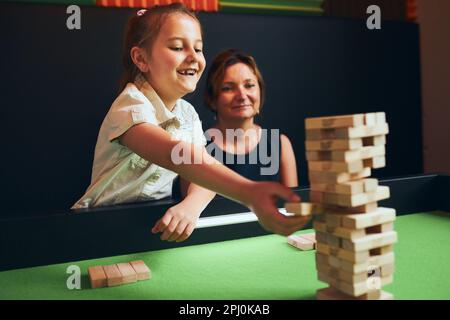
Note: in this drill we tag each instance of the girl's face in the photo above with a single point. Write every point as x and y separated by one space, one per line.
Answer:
239 94
176 60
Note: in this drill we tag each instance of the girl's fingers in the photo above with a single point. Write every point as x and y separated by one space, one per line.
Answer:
178 231
162 223
187 233
169 229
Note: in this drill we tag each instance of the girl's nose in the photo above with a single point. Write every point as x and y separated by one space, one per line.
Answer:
191 55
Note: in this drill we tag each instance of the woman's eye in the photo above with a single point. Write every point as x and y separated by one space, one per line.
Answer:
226 89
198 50
249 85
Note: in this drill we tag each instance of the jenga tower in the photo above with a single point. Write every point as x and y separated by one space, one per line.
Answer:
354 236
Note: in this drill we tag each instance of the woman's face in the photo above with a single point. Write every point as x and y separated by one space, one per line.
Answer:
239 94
176 61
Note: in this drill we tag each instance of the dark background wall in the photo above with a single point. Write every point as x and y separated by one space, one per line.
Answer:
58 84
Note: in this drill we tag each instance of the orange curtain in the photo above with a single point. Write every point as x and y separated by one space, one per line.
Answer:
197 5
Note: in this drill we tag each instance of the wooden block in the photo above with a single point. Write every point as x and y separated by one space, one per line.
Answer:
302 208
370 241
97 277
321 237
143 272
381 250
333 294
301 243
348 133
335 121
336 166
363 287
322 247
332 209
359 221
380 117
334 177
335 144
374 141
370 119
375 162
362 266
128 273
382 192
333 220
346 156
349 187
113 275
309 236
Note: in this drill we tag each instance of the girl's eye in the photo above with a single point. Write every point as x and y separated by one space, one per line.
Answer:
176 48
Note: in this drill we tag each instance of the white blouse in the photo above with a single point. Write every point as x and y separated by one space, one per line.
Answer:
120 175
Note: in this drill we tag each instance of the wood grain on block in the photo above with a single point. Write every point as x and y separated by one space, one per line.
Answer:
335 121
333 294
348 200
359 221
336 166
128 273
351 256
370 241
97 277
143 272
338 144
113 275
375 162
300 243
303 208
322 247
348 133
333 220
334 177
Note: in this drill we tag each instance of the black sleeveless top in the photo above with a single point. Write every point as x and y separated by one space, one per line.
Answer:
260 164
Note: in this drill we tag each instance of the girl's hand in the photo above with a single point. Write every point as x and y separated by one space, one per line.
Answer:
261 198
177 223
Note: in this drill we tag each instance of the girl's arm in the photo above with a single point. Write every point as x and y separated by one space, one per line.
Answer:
288 166
260 197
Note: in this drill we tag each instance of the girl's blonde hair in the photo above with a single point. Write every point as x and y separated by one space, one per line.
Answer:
142 30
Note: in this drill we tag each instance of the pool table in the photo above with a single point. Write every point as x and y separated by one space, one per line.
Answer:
239 265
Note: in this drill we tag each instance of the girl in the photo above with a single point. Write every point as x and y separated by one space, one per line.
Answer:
235 93
134 158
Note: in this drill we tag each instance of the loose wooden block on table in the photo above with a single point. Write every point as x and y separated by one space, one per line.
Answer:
348 133
309 236
143 272
333 294
301 243
113 275
97 277
335 121
352 200
128 273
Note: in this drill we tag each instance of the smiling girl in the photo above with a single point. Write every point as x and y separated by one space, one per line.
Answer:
163 61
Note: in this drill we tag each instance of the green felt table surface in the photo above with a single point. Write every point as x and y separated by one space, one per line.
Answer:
264 267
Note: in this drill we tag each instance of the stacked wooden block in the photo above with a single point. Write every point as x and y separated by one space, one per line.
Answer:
355 237
118 274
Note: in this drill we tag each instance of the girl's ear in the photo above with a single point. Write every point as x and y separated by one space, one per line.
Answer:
139 57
